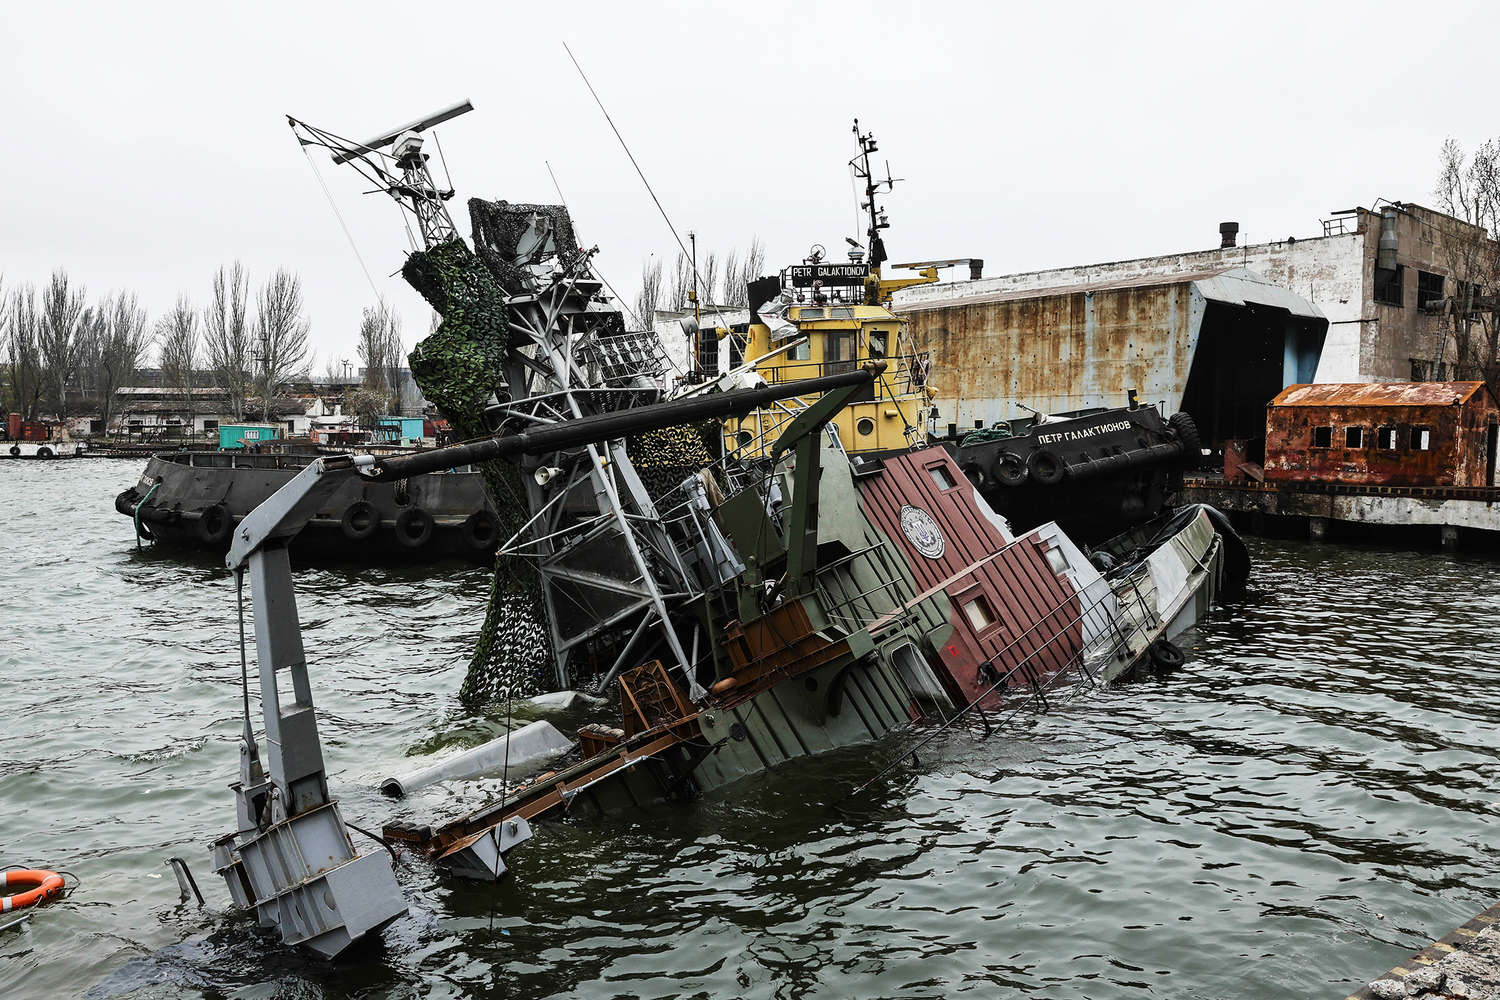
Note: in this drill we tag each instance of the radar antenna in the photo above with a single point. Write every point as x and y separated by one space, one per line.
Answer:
401 173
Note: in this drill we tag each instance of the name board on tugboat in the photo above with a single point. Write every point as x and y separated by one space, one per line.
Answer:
803 275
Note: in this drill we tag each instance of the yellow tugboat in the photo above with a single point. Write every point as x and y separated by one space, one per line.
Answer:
821 318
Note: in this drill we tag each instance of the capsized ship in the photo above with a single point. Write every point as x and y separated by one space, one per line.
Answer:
744 610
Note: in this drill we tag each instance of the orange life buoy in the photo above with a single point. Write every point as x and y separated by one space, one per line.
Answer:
44 885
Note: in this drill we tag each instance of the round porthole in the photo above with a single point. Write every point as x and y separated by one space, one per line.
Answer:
865 426
745 437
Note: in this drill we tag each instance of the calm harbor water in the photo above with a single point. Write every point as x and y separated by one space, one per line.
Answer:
1310 799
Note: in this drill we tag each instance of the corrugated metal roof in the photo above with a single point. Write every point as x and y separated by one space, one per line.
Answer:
1377 394
1234 286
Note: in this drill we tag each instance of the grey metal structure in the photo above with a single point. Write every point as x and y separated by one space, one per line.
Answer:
290 857
608 579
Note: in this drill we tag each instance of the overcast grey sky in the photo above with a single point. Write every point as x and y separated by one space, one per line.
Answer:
148 142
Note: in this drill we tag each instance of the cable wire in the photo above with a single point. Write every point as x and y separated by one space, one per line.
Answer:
640 173
340 216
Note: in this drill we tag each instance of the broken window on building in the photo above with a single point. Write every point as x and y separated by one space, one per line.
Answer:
1429 288
1354 437
1388 285
1385 438
1322 437
708 352
979 614
1421 439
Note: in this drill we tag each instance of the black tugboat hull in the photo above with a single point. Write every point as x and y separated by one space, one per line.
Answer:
194 500
1095 474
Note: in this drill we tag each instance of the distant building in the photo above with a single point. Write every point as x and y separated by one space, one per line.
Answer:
154 411
1005 343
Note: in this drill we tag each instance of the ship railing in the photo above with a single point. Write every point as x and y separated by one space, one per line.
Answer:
905 372
1032 694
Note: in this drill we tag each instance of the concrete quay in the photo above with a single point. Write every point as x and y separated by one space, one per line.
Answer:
1465 963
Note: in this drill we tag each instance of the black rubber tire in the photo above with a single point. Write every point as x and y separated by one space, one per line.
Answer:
215 525
44 452
1046 467
482 530
1010 469
360 520
1166 654
15 451
1186 429
413 528
974 473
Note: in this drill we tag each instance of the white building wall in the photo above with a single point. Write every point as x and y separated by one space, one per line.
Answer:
1327 270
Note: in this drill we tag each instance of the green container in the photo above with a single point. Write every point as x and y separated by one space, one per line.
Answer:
244 435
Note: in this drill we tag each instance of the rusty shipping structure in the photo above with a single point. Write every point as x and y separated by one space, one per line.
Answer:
1426 434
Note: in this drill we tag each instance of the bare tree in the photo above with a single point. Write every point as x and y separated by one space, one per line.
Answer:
730 296
1468 189
26 374
682 282
649 299
382 352
62 337
116 342
178 337
708 278
281 330
227 336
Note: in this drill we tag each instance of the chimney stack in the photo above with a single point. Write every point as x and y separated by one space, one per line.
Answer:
1228 232
976 268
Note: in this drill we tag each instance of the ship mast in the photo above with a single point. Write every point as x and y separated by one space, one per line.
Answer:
876 215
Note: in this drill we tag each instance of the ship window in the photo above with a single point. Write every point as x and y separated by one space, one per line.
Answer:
841 312
802 352
1385 438
809 313
865 426
1057 559
878 341
979 613
838 352
940 475
1388 285
1421 439
1354 437
1322 437
1429 288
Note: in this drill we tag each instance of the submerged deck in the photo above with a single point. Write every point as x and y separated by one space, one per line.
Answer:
1465 963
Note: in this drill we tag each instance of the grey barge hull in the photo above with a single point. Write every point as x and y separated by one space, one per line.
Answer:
194 499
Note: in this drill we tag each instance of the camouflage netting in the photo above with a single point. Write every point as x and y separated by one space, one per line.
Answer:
458 367
499 229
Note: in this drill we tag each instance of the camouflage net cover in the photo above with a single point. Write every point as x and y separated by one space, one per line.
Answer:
458 367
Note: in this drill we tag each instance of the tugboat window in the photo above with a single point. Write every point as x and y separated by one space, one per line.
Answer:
838 353
1354 437
979 613
1421 439
940 476
877 343
1386 438
1322 437
865 426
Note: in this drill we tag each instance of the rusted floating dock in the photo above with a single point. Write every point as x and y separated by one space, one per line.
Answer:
1450 515
1466 963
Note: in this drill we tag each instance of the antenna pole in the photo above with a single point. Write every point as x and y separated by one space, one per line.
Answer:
693 292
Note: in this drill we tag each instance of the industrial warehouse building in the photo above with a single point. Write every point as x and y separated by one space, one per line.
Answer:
1215 332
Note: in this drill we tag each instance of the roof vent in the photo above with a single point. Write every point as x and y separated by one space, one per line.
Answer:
1228 232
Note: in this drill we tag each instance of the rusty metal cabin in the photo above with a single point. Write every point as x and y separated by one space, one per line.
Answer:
1219 344
1383 434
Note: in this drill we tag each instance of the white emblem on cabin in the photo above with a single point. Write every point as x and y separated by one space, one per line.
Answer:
922 530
